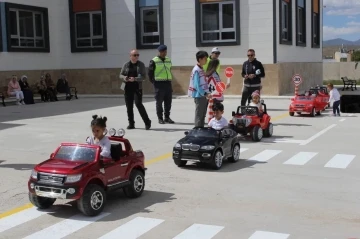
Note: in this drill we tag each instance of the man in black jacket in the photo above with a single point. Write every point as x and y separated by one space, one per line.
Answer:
252 71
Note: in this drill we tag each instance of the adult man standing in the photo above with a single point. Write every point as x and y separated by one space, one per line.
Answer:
160 75
133 73
215 53
252 71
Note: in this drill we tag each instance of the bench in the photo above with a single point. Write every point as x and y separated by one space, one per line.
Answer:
347 83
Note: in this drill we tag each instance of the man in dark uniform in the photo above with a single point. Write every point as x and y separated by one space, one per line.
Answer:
160 76
252 71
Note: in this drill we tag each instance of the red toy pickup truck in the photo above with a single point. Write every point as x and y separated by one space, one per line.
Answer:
78 172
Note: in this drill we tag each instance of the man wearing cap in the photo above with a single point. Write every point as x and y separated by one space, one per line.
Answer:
215 53
160 76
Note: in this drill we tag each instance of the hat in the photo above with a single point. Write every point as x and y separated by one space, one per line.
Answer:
215 49
162 48
255 93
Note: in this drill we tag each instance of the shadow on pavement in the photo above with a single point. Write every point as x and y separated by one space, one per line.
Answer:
9 126
288 124
226 167
19 166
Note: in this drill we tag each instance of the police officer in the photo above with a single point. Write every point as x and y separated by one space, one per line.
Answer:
252 71
160 76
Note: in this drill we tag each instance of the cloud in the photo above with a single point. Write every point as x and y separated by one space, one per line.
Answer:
339 32
342 7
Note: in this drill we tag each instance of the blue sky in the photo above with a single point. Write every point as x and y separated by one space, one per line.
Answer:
341 19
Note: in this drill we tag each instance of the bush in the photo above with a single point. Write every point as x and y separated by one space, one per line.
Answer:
334 82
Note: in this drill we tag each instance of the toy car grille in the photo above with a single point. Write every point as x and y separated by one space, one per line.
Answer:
192 147
240 121
51 178
248 111
299 105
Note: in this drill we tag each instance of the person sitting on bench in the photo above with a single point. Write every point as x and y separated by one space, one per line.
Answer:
15 90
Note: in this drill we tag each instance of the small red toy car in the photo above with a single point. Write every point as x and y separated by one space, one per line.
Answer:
247 120
78 172
314 103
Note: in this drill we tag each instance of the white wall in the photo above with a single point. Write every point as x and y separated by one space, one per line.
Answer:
293 53
179 30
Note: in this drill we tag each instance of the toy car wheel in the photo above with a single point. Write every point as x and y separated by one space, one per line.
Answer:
92 202
235 153
180 163
217 160
313 112
318 113
41 202
257 133
137 184
291 113
268 132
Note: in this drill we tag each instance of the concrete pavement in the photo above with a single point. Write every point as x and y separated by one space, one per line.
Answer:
301 183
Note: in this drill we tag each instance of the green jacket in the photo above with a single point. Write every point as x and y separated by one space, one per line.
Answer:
207 63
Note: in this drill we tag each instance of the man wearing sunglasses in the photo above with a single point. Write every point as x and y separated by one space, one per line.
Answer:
215 53
252 72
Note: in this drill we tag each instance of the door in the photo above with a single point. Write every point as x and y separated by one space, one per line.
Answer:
226 142
112 171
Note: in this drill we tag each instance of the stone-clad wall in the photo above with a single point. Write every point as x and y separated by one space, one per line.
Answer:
106 81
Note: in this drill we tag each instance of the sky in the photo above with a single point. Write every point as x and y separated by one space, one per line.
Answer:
341 19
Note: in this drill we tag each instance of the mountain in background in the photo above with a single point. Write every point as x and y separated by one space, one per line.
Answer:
339 41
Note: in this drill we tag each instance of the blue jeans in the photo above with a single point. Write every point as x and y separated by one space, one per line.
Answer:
336 108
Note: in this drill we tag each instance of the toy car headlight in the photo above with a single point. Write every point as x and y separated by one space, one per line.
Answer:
248 122
177 146
121 132
112 132
34 174
208 147
73 178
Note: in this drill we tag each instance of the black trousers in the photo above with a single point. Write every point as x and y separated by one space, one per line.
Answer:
336 108
163 95
246 94
132 95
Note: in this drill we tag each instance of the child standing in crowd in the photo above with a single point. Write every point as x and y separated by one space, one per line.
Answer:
334 96
256 101
218 122
98 126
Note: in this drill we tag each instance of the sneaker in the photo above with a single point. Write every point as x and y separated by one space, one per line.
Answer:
338 114
22 102
161 121
148 125
18 103
131 126
169 121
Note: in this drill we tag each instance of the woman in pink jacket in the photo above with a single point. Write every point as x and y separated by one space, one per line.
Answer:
15 90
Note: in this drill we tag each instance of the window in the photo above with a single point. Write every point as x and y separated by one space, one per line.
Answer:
27 28
149 24
218 22
315 20
285 22
300 22
88 25
1 43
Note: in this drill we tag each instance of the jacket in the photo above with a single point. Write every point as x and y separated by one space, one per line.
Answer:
198 86
151 74
141 70
251 68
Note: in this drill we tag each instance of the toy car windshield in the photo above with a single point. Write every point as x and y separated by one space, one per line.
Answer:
305 98
203 133
76 153
248 110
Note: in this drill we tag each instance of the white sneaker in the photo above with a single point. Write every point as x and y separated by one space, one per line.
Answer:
23 103
18 103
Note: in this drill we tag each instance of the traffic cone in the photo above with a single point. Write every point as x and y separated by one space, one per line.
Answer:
210 111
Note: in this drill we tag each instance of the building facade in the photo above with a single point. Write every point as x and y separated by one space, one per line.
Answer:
89 40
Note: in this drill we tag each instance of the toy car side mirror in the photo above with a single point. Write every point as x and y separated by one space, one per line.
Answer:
51 155
233 113
186 132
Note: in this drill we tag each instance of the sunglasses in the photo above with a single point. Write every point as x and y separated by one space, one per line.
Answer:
136 55
250 55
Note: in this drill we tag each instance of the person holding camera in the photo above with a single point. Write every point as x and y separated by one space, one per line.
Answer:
252 72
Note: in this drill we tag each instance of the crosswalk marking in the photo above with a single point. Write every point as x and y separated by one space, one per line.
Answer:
340 161
265 155
134 228
20 218
243 149
66 227
301 158
268 235
199 231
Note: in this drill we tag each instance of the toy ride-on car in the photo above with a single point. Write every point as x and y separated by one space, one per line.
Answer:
248 120
322 91
207 145
78 172
314 103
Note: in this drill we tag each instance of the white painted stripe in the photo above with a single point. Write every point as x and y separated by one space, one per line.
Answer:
340 161
301 158
318 134
342 120
133 229
268 235
265 155
243 149
66 227
350 115
199 231
19 218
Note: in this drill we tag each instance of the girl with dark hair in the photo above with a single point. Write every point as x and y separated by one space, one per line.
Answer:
98 126
212 73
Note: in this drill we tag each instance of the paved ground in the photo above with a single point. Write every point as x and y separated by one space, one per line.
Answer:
302 183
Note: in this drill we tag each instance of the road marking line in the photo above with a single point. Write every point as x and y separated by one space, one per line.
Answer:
66 227
340 161
342 120
317 134
265 155
16 210
134 228
243 149
199 231
158 159
17 218
268 235
300 158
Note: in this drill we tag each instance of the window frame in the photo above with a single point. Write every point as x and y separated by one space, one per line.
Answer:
236 21
289 40
92 37
1 38
318 43
298 43
45 25
139 25
73 30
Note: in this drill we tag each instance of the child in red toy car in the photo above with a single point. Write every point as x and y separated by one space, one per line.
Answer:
98 126
256 101
218 122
